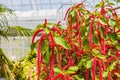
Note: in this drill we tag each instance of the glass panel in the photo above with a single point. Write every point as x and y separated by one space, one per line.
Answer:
46 7
64 1
27 8
17 2
26 1
44 1
56 1
56 6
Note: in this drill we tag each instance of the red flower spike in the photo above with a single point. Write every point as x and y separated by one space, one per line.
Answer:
52 57
94 69
118 53
103 48
109 60
106 30
52 65
117 65
87 74
100 70
79 4
66 13
109 76
39 57
52 40
80 52
57 30
71 24
58 76
67 78
70 63
35 34
45 22
91 31
58 23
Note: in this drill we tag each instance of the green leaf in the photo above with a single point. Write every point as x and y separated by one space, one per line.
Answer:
43 48
47 55
118 47
88 64
95 39
112 22
101 56
102 20
112 66
98 5
47 30
105 74
57 70
80 64
70 72
117 0
73 68
112 36
61 41
33 45
72 12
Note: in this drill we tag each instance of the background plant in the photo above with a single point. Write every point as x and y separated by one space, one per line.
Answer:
6 31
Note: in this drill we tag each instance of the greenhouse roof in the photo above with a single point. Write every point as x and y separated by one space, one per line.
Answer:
27 5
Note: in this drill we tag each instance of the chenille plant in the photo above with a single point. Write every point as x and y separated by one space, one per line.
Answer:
88 48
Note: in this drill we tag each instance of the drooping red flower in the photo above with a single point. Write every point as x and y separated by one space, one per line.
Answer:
118 53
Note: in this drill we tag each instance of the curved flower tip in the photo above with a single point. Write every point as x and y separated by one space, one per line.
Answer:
45 22
118 53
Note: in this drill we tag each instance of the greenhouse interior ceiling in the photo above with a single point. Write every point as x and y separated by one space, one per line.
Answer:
32 12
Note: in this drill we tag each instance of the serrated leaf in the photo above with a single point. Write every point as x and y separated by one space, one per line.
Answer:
61 41
57 70
88 64
102 20
112 22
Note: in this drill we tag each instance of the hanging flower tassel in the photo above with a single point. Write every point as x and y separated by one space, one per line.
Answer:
103 49
87 74
91 31
100 70
35 34
94 69
52 57
39 57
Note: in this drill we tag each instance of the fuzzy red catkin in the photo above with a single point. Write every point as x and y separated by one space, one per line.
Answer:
39 57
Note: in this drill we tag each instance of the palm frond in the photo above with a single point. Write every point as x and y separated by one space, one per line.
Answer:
18 31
